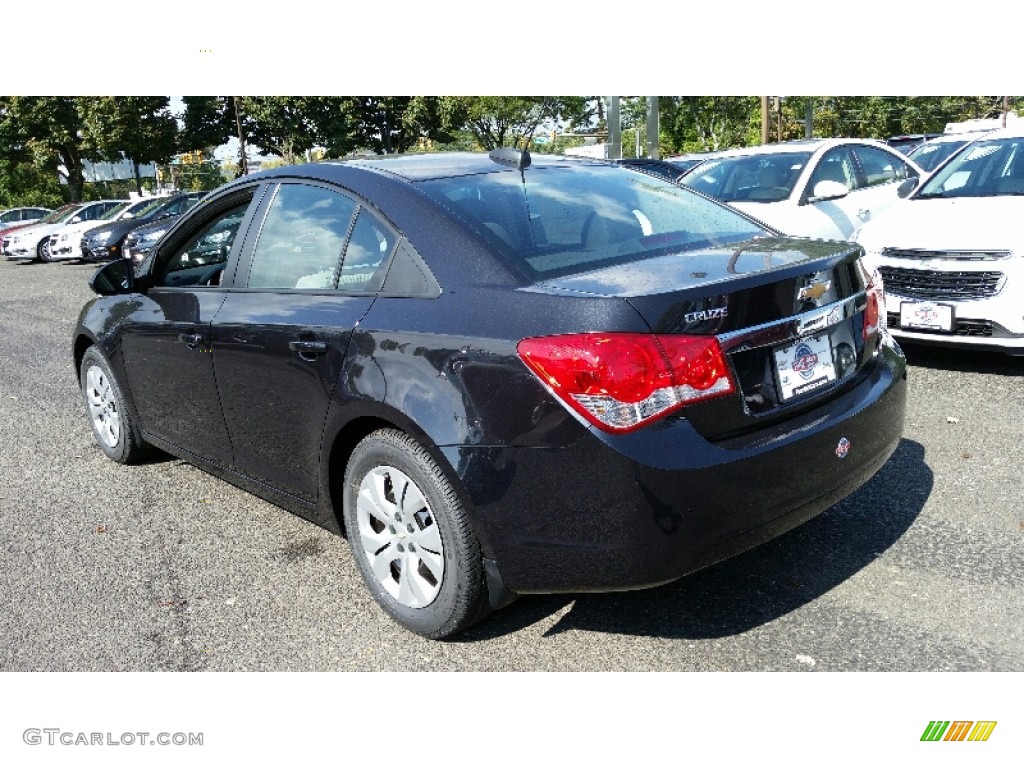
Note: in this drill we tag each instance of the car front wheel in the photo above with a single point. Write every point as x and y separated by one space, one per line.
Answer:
43 250
111 425
411 538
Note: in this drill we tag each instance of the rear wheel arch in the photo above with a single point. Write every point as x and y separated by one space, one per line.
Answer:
345 440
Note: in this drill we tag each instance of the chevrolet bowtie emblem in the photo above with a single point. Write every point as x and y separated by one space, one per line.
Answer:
814 291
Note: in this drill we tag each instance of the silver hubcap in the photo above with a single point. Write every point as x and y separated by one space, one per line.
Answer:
103 410
399 535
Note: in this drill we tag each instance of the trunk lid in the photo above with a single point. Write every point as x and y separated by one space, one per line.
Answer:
788 313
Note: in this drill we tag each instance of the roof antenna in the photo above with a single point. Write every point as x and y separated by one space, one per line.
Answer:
511 157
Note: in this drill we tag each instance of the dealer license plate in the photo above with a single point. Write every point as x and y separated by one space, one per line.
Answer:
926 316
804 366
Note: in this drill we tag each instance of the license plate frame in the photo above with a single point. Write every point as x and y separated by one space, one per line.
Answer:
804 366
927 316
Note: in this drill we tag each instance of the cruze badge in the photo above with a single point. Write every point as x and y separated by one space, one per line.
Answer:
705 314
814 291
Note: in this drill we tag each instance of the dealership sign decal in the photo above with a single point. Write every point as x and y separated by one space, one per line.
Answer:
958 730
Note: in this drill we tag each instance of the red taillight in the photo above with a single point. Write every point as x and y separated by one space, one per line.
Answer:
874 314
621 381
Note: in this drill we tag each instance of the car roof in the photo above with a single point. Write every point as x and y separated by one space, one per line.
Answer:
797 145
420 167
947 137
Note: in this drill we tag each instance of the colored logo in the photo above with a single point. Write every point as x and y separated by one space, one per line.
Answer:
814 291
958 730
804 361
926 313
843 448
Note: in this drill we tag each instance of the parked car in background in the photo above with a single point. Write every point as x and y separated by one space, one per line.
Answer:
66 242
824 188
934 152
663 169
500 374
911 141
7 234
105 242
33 242
952 254
138 242
690 160
12 217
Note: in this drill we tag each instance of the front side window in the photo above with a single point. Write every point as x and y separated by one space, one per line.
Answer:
202 257
301 240
765 178
835 165
879 166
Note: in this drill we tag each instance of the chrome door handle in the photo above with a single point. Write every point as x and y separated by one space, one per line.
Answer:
308 350
191 340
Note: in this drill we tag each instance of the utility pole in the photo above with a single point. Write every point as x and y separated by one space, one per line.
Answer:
808 117
614 129
243 161
764 120
652 128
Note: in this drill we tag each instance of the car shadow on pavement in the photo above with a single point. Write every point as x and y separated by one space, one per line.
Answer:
963 360
753 588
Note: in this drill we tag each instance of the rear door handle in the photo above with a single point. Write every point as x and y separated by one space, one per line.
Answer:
864 214
191 340
308 350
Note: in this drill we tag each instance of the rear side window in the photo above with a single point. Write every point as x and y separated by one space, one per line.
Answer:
568 219
301 240
367 250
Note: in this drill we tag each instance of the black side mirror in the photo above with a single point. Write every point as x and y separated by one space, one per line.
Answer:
907 186
117 277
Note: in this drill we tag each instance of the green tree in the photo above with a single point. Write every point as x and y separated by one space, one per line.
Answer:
703 123
49 128
499 121
139 128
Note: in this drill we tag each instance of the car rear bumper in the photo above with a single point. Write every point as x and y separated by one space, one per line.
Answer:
633 511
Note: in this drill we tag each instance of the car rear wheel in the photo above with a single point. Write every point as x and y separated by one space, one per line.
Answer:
411 538
113 428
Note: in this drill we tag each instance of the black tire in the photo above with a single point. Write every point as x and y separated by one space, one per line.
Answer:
112 426
43 250
443 592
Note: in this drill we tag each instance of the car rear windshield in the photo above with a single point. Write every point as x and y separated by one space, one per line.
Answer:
764 178
563 220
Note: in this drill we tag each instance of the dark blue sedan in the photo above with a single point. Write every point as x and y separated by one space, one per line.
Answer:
498 375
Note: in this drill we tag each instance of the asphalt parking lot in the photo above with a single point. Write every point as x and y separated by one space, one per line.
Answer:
162 567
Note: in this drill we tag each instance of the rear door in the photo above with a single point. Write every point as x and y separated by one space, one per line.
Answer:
282 333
